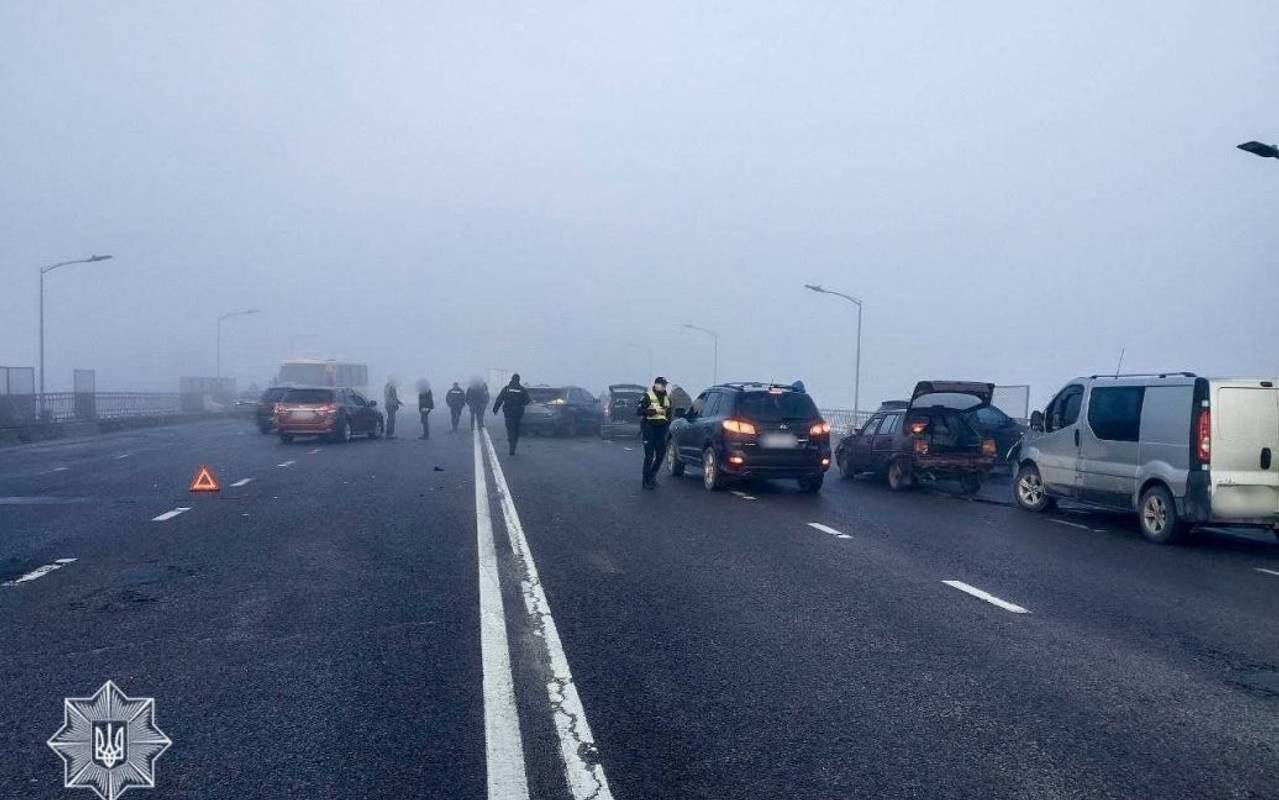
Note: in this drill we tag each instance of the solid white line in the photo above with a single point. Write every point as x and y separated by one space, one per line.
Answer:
582 764
287 464
39 572
989 598
828 529
1267 571
241 482
1071 524
171 514
504 747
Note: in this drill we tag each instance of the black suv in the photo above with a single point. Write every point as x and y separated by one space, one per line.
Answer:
751 430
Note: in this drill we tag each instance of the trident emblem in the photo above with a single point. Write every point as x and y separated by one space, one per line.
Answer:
108 742
109 746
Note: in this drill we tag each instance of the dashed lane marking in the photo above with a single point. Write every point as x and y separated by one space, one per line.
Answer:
241 482
40 572
1071 524
312 452
123 455
1267 571
989 598
583 769
827 529
168 515
287 464
742 495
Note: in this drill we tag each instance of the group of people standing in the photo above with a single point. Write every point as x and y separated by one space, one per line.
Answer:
475 397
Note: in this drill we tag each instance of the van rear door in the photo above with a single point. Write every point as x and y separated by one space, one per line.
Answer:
1245 450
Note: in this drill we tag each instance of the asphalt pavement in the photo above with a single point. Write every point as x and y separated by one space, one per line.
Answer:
384 619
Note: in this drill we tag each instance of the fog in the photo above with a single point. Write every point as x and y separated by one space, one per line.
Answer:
1016 191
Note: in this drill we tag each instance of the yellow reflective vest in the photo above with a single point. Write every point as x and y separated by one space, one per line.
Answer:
658 407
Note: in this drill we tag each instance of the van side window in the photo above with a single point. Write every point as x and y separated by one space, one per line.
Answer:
1063 411
1114 413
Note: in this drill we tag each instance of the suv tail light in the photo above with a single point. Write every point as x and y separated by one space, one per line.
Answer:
988 447
917 427
819 429
739 426
1203 436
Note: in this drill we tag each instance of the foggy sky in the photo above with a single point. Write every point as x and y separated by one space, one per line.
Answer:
1016 190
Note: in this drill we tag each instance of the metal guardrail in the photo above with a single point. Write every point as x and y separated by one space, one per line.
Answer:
21 410
844 420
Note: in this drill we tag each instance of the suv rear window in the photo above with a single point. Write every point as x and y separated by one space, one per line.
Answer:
956 400
545 395
308 396
768 407
273 395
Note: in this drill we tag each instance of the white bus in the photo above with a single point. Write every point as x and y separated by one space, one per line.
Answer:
319 372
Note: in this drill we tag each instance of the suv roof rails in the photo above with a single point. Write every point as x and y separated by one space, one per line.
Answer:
757 385
1145 375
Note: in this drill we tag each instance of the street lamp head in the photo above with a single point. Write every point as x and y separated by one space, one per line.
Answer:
814 287
92 259
1260 149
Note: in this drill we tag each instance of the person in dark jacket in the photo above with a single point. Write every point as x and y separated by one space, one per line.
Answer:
425 405
455 399
654 411
477 399
512 400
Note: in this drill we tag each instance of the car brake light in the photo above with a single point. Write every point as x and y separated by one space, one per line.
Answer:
921 447
331 408
819 429
739 426
736 460
988 447
918 427
1203 437
774 390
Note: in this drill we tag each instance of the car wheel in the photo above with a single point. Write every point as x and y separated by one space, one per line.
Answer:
1158 515
712 478
673 463
378 427
570 430
970 484
841 461
286 438
265 430
811 484
343 432
898 475
1029 490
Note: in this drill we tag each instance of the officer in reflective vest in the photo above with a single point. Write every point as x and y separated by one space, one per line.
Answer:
655 420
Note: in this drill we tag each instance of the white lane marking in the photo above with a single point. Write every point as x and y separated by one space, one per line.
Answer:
171 514
59 469
312 452
828 529
742 495
241 482
1267 571
123 455
582 764
287 464
1071 524
989 598
40 572
504 747
628 448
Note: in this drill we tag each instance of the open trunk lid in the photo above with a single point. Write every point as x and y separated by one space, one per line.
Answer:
944 390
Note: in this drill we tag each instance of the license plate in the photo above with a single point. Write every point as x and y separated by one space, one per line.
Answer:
778 441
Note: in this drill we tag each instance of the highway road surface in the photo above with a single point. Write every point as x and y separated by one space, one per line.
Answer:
436 619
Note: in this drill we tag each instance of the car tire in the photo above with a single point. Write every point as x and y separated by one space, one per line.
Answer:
970 484
570 429
1158 516
378 427
673 463
811 484
898 475
343 432
712 477
286 438
1029 490
265 430
841 461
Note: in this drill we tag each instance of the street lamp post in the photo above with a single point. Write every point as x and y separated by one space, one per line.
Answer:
1260 149
647 350
43 270
857 372
228 315
715 337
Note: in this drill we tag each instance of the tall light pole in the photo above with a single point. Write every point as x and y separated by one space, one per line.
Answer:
1260 149
857 372
715 336
648 350
228 315
43 270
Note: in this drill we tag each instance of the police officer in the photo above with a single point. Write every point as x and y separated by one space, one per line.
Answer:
655 420
425 405
391 402
511 400
455 399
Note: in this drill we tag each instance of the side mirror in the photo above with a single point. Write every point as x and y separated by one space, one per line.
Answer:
680 413
1037 420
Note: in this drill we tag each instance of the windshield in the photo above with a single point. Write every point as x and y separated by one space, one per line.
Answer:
780 407
272 395
307 396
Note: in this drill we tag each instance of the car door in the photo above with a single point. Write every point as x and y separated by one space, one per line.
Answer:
1058 444
708 422
859 446
884 444
357 412
1109 445
689 433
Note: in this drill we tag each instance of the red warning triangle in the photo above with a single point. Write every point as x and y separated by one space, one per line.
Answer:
204 481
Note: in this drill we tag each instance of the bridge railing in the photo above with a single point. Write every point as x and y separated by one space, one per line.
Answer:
844 420
21 410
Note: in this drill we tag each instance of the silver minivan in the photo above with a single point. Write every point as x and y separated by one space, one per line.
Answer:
1178 449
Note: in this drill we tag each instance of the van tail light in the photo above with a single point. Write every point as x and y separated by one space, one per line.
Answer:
739 426
819 429
988 447
1203 437
921 447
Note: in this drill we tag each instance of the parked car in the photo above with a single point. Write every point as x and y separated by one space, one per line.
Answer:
561 410
993 423
751 430
264 412
1177 449
336 414
930 438
617 410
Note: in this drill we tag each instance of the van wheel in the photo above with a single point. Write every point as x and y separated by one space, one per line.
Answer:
673 463
1028 488
1158 514
898 475
970 484
712 478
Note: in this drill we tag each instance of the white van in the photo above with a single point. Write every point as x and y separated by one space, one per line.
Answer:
1178 449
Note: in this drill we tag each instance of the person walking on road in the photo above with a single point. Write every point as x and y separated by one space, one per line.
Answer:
391 402
425 405
511 401
477 399
455 399
655 420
